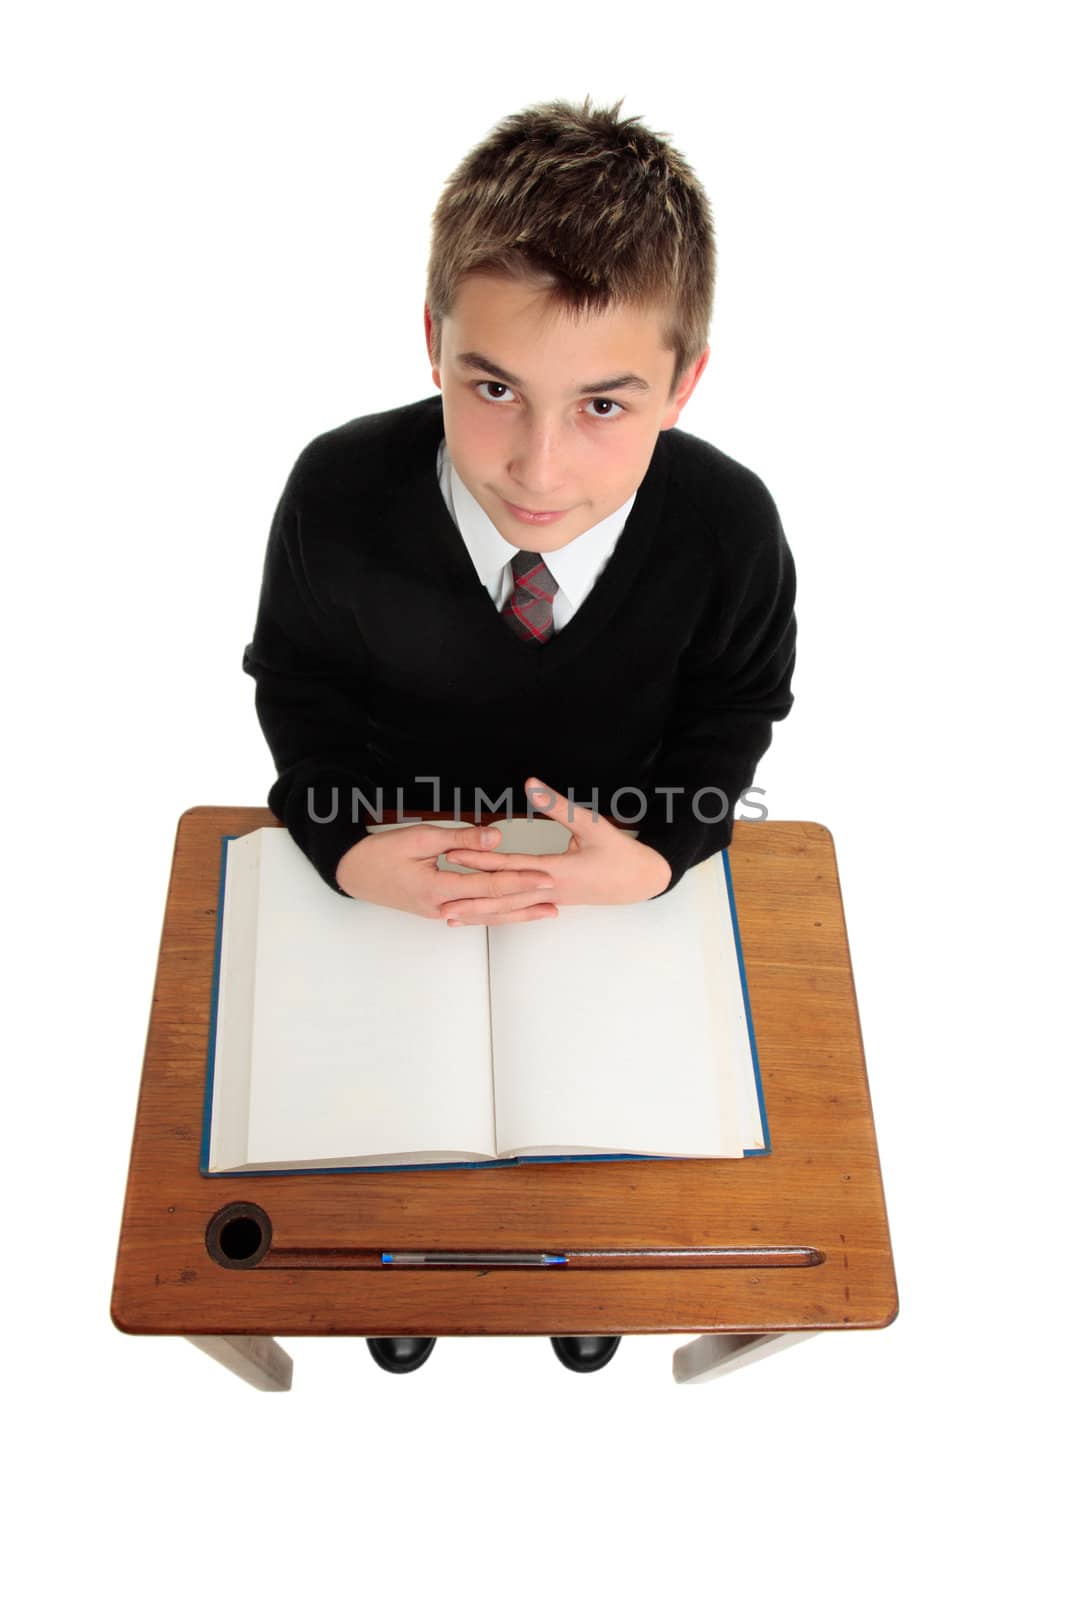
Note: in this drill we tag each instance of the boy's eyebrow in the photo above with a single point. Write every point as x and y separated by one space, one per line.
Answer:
625 380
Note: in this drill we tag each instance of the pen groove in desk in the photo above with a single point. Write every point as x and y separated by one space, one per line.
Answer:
291 1258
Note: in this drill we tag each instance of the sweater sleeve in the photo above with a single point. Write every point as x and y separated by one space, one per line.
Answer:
733 683
310 692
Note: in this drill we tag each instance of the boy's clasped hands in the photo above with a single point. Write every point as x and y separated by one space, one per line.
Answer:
601 866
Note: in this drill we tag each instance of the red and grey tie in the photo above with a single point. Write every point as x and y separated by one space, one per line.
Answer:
528 609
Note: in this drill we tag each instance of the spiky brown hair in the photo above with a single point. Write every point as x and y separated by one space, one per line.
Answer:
599 212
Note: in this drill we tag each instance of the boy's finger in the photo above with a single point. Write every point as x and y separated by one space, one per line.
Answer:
496 887
436 841
493 861
487 911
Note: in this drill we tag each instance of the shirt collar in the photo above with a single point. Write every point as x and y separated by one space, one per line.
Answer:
574 567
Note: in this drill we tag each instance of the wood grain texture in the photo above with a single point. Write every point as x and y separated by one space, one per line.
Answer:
821 1188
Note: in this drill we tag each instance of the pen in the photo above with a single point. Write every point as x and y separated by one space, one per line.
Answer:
470 1258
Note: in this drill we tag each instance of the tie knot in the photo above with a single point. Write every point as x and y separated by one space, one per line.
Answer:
525 564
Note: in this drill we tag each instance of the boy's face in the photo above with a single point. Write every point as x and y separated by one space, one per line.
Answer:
531 440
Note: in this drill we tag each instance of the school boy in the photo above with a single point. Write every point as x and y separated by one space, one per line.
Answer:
531 592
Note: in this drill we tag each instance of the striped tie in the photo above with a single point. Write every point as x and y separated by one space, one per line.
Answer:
528 609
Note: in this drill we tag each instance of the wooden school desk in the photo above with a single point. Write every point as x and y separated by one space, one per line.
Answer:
749 1254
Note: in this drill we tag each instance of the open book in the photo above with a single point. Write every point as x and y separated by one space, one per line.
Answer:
345 1034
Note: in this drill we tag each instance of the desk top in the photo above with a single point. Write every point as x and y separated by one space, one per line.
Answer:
820 1190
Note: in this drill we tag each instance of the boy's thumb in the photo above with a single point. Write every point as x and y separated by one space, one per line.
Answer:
542 797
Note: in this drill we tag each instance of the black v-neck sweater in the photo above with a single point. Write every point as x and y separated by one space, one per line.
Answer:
382 664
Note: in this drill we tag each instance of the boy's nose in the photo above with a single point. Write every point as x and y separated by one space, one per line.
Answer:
537 468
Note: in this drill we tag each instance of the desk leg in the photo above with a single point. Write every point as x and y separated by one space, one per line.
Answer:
714 1354
256 1359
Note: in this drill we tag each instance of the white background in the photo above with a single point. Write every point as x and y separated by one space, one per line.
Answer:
218 219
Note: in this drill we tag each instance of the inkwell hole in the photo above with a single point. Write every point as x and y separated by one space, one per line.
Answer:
240 1238
239 1235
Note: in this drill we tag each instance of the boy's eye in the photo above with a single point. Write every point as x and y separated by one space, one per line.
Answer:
603 400
490 383
597 400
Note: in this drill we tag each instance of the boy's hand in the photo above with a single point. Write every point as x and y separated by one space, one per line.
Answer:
399 869
600 867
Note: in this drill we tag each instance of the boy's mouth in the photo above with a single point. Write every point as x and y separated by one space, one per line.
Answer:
533 516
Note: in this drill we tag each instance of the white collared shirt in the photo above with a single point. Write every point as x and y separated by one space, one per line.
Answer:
575 568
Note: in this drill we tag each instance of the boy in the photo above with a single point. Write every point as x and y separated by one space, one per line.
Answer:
530 593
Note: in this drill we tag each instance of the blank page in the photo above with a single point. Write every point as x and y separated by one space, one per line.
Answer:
370 1031
606 1035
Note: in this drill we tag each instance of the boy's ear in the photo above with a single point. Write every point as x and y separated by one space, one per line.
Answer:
427 321
685 388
